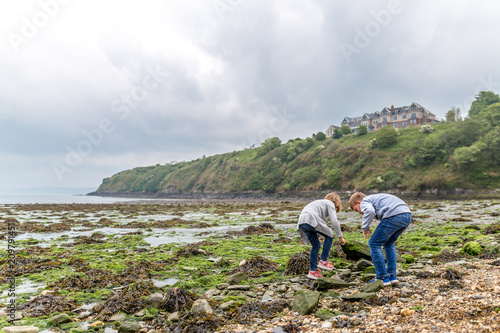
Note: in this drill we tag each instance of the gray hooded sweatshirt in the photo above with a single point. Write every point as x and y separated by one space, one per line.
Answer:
315 214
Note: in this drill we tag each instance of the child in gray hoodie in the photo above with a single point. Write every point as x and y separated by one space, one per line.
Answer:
313 221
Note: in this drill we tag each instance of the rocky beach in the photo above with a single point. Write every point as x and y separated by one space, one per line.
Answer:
239 266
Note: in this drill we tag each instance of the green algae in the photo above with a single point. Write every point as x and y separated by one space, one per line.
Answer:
430 232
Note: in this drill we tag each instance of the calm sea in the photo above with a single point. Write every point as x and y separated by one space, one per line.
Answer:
56 195
58 198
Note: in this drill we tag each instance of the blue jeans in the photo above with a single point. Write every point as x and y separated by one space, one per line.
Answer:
385 235
312 236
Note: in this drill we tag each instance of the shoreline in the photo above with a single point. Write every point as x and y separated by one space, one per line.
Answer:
431 194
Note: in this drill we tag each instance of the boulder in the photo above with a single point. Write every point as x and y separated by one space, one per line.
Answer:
227 305
120 316
60 319
305 302
327 283
174 317
362 264
129 327
236 278
20 329
373 286
356 250
201 306
154 301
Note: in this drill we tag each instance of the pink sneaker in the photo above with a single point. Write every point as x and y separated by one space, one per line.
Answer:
325 265
314 275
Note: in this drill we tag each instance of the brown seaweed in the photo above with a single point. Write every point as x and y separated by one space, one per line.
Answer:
255 266
44 305
129 300
178 299
298 264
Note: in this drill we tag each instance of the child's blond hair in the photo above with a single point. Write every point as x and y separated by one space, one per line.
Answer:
357 196
333 197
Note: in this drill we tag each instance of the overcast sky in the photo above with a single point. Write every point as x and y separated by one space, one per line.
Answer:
90 88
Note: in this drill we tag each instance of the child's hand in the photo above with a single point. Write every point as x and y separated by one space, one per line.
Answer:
367 233
342 240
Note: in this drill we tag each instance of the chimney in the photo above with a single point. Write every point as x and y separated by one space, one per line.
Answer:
392 108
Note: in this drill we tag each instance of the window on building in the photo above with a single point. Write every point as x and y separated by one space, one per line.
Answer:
413 121
414 115
383 125
395 118
405 116
384 120
395 124
404 123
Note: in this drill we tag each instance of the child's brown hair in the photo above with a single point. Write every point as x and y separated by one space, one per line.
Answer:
334 197
357 196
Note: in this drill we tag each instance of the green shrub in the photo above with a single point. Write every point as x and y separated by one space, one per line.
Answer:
333 177
320 136
386 137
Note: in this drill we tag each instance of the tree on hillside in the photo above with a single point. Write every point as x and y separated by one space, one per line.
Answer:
451 115
345 129
268 145
386 137
492 114
320 136
483 99
362 130
337 133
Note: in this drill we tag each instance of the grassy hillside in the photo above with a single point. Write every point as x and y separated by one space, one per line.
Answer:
448 155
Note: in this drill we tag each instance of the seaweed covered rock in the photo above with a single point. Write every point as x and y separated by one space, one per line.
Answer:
236 278
328 283
60 319
492 229
356 250
129 327
298 264
194 324
408 258
305 301
472 248
262 310
255 266
447 256
263 228
373 286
